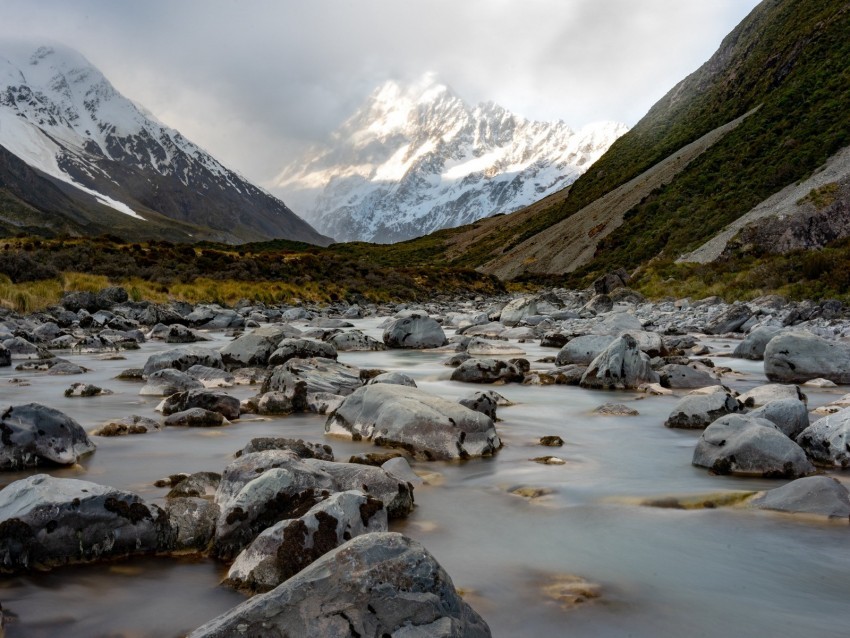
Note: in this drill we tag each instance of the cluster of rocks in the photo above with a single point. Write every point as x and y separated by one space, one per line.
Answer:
311 532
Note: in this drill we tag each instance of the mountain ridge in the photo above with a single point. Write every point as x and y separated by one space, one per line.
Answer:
66 121
416 158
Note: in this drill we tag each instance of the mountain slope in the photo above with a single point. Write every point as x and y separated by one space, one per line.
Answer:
787 64
68 124
789 58
414 159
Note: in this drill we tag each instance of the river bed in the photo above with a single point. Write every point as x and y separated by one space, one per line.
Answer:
659 572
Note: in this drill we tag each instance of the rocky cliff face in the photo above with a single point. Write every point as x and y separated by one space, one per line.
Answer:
415 159
61 117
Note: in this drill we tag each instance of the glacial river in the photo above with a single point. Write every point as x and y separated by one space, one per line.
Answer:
658 572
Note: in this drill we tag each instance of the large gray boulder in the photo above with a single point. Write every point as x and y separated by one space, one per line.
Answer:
379 584
764 394
414 331
697 411
224 404
686 377
354 341
518 309
753 345
396 378
818 495
254 348
746 446
33 435
491 371
790 415
729 320
287 547
427 426
46 522
297 377
620 366
796 357
827 440
583 350
182 359
301 348
192 522
261 488
168 381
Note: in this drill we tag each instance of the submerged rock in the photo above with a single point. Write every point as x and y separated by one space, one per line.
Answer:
378 584
128 425
427 426
820 495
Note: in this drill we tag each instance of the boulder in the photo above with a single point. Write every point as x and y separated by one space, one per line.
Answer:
168 381
220 402
518 309
620 366
354 340
378 584
483 402
818 495
754 344
790 415
20 348
729 320
827 440
300 348
297 377
688 377
491 371
397 378
599 304
177 333
212 377
764 394
128 425
46 522
182 359
483 348
796 357
611 281
583 350
303 449
746 446
33 434
427 426
198 485
284 549
86 390
195 418
192 522
254 348
697 411
414 331
259 489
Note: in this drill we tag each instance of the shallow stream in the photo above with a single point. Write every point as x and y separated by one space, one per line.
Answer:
659 572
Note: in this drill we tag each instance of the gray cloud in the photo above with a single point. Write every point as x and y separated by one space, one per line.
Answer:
256 81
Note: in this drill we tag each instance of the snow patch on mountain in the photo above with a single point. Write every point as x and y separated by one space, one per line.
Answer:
414 159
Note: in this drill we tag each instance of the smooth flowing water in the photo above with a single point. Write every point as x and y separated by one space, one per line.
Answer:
660 572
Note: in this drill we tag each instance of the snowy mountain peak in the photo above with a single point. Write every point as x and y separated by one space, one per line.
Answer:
416 158
62 117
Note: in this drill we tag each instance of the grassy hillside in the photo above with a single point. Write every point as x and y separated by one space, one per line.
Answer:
789 58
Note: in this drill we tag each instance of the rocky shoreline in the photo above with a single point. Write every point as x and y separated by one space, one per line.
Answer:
283 512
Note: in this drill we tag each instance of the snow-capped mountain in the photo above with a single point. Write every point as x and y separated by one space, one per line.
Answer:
66 132
414 159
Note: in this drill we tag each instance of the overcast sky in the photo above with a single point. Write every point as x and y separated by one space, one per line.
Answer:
254 81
